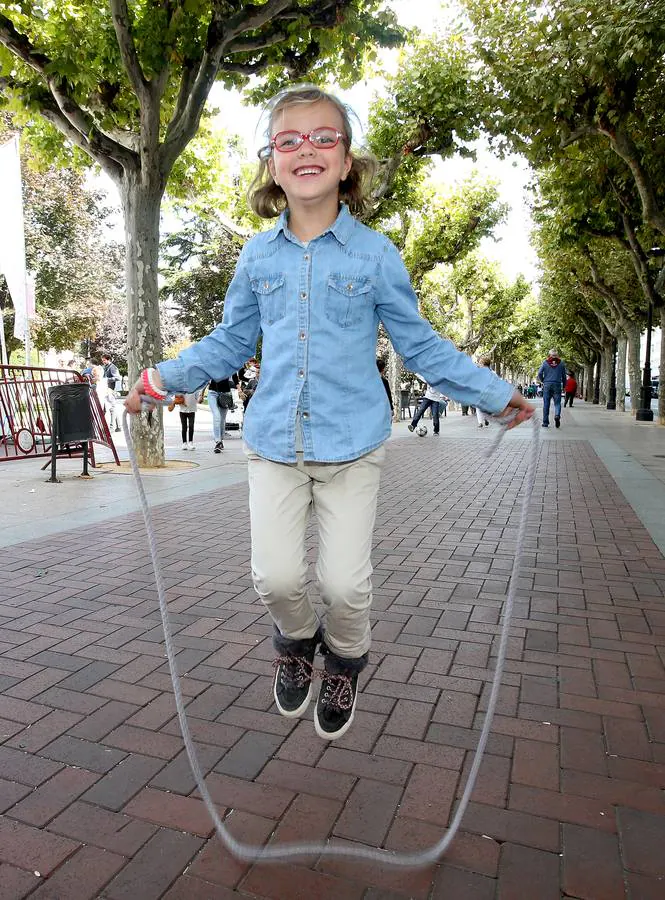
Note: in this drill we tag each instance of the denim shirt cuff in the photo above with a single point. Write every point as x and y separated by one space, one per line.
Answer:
496 398
172 373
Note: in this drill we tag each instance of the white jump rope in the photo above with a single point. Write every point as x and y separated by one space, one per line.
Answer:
281 852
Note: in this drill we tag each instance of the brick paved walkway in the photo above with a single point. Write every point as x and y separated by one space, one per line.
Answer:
97 797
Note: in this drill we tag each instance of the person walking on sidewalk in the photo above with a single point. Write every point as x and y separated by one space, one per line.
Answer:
187 404
552 376
316 286
481 417
113 379
220 401
570 390
433 399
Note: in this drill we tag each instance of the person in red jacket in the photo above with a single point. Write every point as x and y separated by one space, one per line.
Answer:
570 389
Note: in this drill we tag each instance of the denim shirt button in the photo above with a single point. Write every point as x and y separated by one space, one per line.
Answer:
306 256
303 296
301 373
302 336
305 415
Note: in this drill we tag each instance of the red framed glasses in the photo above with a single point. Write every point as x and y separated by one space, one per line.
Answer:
324 138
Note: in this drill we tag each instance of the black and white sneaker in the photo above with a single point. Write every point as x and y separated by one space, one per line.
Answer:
336 705
219 446
292 687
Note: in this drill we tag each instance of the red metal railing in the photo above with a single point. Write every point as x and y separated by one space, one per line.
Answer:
25 412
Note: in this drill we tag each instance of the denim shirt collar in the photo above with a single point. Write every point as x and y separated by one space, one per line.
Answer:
341 228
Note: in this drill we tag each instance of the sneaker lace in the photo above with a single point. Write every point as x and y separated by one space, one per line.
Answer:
296 670
337 691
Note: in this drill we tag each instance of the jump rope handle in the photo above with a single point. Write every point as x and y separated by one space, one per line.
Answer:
148 405
506 419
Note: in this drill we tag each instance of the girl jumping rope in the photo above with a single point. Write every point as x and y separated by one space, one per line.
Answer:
316 286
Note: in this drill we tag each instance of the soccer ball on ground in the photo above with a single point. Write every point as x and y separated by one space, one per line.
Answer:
421 430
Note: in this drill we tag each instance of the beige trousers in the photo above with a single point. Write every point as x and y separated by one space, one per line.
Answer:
282 497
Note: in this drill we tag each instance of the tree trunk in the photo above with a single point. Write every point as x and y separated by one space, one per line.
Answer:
634 372
622 346
661 369
588 383
606 369
596 380
141 198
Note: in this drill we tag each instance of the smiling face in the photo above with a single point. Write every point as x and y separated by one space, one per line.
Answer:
310 176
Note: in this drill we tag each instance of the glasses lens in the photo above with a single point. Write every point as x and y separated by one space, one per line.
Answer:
324 137
288 140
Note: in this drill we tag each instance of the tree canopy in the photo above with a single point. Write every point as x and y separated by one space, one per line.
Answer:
578 70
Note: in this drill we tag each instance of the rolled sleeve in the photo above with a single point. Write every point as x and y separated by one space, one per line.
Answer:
442 365
224 350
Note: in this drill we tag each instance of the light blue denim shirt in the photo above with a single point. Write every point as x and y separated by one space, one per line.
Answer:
318 305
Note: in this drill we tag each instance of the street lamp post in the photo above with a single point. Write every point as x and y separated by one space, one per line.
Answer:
612 390
645 413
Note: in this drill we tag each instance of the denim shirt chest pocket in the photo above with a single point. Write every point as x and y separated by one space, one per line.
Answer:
270 292
348 299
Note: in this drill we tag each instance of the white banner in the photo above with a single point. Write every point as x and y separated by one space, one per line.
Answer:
12 236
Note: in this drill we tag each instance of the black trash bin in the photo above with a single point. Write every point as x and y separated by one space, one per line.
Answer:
71 413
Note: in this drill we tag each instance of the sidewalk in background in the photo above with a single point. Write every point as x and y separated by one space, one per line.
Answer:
634 453
95 792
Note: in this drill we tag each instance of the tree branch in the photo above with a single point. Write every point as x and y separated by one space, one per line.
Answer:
54 117
121 24
190 103
187 80
65 114
624 146
253 68
86 127
573 137
21 47
259 42
322 14
640 263
593 335
111 155
251 17
391 167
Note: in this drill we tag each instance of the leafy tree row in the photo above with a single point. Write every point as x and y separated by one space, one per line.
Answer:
577 86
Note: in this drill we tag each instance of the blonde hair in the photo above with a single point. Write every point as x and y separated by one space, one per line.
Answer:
267 198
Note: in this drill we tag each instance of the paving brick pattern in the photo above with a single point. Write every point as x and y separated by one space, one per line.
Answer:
96 797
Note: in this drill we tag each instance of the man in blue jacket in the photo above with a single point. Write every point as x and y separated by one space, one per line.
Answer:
552 376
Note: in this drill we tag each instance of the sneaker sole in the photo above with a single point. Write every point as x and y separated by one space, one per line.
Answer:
332 736
292 713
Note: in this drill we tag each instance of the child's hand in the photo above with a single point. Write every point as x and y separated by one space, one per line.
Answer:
136 396
133 399
524 410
